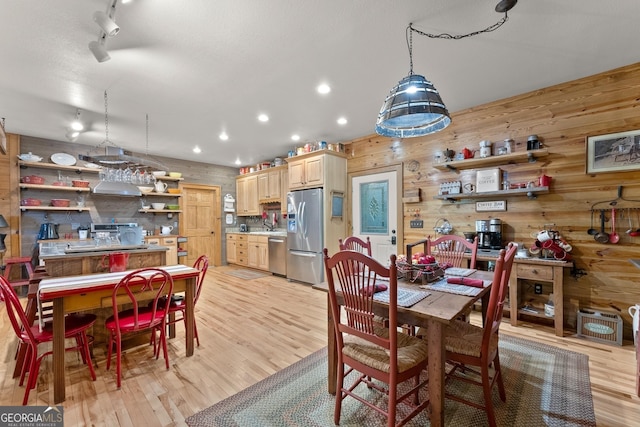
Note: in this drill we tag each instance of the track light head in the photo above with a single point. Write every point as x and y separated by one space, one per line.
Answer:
77 124
72 135
99 52
107 24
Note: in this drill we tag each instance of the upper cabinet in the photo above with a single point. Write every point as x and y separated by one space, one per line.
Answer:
269 185
247 192
311 170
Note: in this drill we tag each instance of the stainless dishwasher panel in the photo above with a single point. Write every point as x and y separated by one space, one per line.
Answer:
278 255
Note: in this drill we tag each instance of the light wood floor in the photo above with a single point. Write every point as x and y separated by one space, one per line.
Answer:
250 329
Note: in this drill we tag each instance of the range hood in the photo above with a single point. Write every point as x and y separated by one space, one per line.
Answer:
116 188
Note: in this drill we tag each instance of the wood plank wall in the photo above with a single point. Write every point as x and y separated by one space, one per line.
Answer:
562 116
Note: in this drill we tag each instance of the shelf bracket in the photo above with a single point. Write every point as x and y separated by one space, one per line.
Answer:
531 158
531 195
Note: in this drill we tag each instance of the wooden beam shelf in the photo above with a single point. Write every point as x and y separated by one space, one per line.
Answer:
529 192
519 157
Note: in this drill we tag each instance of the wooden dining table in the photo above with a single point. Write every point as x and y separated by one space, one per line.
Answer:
434 312
93 291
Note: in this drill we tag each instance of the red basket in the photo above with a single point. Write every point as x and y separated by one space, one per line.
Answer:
423 273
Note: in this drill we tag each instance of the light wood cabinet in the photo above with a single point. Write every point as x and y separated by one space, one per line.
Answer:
170 242
237 249
269 186
258 252
247 193
307 172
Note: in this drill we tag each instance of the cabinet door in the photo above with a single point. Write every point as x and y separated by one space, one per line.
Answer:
252 257
314 171
263 186
231 250
172 253
263 256
296 174
274 184
252 195
284 189
241 191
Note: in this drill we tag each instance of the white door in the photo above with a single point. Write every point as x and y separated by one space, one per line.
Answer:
375 212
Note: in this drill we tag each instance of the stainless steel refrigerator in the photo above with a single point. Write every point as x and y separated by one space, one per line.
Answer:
305 231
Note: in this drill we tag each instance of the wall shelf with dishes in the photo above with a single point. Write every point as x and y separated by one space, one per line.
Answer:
154 211
519 157
24 186
77 169
54 208
529 192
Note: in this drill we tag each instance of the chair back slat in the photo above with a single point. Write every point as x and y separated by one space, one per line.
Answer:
498 294
353 243
356 275
142 285
202 265
451 249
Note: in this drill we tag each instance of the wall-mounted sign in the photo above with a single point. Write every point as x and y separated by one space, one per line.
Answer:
493 206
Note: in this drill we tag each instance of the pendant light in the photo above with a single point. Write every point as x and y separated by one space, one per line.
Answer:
414 106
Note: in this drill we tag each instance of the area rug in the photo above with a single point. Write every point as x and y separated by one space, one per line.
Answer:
545 386
245 274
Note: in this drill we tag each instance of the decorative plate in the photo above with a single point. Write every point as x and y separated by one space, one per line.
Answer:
29 157
63 159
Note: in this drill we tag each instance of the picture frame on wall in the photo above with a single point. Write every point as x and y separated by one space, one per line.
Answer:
614 152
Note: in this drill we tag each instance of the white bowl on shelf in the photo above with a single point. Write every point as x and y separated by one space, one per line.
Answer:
144 189
157 206
159 173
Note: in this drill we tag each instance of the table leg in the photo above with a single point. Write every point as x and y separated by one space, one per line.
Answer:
58 351
436 367
332 352
558 303
189 314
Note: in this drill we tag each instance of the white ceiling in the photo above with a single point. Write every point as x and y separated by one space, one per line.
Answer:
200 67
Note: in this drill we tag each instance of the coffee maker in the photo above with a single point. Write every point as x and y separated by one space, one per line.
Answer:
495 233
484 236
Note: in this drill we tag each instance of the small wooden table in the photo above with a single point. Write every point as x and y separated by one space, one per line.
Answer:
435 312
81 293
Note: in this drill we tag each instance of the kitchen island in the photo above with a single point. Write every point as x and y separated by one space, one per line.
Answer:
76 262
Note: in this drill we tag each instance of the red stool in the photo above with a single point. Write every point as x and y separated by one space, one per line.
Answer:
20 261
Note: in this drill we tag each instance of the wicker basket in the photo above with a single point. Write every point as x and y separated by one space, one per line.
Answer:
421 273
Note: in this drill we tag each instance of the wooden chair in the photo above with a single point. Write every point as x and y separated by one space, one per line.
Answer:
139 285
178 307
469 345
383 354
450 249
353 243
75 327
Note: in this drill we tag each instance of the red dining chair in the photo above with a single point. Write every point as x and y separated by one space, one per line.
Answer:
468 345
140 285
75 326
353 243
451 250
383 354
177 305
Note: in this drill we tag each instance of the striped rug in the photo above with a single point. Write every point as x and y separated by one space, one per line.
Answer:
545 386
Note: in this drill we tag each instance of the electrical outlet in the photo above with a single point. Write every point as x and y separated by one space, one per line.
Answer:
416 223
537 288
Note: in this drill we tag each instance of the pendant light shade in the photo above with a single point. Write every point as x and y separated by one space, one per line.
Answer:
412 108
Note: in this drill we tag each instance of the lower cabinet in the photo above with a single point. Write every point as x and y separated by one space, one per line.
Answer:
248 250
258 249
168 242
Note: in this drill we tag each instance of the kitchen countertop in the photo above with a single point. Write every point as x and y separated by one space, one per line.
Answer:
102 250
277 232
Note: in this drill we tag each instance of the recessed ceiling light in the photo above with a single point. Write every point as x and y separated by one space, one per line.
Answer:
223 136
295 137
342 121
238 162
197 150
323 88
263 118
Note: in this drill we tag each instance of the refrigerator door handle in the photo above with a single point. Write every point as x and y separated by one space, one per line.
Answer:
301 218
304 254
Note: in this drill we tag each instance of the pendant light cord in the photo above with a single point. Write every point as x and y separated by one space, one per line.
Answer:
448 36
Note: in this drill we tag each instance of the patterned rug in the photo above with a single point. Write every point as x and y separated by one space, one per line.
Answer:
545 386
245 274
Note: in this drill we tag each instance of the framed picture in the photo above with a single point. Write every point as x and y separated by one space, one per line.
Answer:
337 199
614 152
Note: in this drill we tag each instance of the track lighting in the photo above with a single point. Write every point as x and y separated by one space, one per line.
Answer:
72 135
77 124
107 24
98 49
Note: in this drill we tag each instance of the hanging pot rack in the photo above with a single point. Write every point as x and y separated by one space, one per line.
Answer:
614 202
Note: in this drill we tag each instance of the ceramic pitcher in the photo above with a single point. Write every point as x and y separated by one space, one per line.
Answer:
166 229
160 186
634 311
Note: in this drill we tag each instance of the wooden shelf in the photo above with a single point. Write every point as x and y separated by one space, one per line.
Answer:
519 157
153 194
54 187
168 178
159 210
76 169
54 208
529 192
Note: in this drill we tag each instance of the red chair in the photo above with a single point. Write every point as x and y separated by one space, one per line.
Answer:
177 306
139 285
383 354
451 249
75 326
353 243
468 345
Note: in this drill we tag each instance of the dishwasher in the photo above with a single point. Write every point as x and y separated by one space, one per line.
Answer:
278 255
